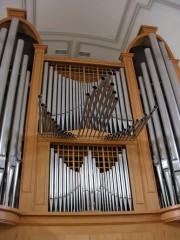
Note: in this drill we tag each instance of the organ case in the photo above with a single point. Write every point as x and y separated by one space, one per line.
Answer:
35 199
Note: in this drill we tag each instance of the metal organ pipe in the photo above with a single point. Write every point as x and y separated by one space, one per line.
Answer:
20 140
172 74
155 143
6 121
15 129
3 33
6 59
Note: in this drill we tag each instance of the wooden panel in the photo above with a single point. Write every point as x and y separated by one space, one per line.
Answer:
106 237
147 164
171 232
149 184
138 236
47 237
135 176
42 176
146 231
77 237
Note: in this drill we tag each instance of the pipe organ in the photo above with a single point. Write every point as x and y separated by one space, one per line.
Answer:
87 142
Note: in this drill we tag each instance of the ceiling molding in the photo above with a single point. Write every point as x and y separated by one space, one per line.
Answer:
95 45
148 6
115 40
69 45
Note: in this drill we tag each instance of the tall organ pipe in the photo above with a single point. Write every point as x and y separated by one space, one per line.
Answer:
6 60
50 86
171 102
15 127
59 99
3 33
172 74
54 103
20 139
126 96
6 121
45 80
165 117
10 98
154 147
121 100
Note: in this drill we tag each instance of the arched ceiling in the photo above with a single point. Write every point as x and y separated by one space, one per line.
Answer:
102 28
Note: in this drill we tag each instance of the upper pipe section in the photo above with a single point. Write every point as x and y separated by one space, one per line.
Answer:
24 27
143 40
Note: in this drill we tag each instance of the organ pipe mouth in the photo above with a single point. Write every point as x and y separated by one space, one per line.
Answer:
110 73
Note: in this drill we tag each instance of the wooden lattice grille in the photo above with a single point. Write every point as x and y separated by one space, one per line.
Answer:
73 155
83 73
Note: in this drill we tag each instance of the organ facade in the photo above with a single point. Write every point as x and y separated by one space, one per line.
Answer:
88 149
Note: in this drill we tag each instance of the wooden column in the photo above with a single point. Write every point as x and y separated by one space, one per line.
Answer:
140 163
30 143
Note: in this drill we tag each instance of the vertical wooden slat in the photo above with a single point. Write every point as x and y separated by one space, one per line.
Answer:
30 143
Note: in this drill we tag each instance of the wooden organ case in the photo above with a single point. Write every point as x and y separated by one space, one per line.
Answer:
90 168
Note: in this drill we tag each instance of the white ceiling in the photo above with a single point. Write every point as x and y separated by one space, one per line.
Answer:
103 28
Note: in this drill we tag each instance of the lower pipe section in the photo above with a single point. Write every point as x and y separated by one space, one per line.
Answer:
89 188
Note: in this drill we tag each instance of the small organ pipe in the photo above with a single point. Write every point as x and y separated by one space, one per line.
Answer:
121 100
71 104
54 100
67 104
45 80
59 94
77 104
50 87
51 183
126 96
56 162
126 173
